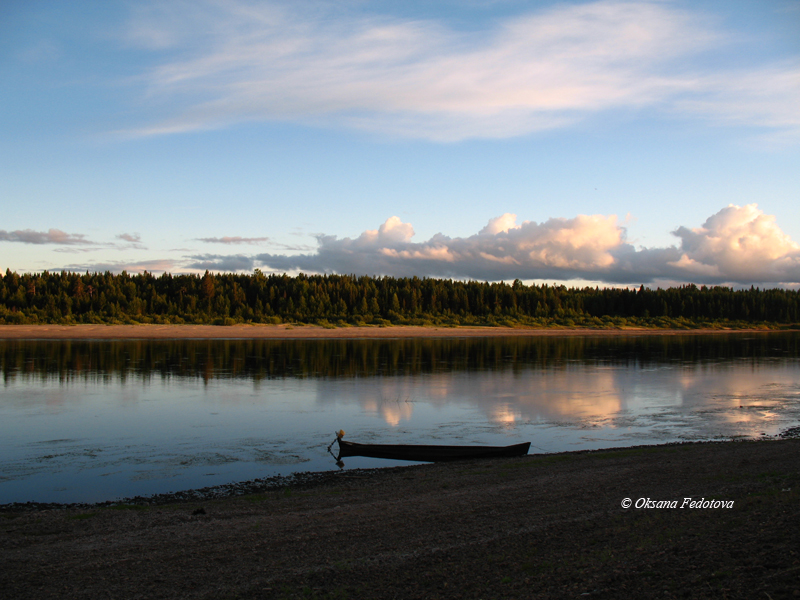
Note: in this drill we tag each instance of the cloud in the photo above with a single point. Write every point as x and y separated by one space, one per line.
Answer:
217 262
234 240
562 248
741 244
69 242
737 245
233 62
52 236
151 266
766 98
134 240
79 249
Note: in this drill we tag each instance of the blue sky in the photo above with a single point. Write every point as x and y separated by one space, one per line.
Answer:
608 142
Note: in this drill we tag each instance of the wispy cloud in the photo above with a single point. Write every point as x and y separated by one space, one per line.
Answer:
737 245
234 240
766 98
79 249
152 266
51 236
254 241
133 240
231 62
217 262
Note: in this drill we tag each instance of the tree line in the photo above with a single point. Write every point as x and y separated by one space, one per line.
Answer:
338 300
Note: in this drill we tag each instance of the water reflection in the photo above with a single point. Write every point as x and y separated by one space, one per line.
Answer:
99 420
268 359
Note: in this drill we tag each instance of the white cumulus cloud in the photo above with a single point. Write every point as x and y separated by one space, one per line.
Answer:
738 245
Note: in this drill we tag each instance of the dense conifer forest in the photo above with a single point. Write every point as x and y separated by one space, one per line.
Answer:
339 300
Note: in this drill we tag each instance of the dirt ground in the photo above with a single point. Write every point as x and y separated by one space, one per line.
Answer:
114 332
541 526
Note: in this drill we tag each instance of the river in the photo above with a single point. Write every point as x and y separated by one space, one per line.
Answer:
87 421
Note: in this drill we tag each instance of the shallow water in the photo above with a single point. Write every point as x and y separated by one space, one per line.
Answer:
92 421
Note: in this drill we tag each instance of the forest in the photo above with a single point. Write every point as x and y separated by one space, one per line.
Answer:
350 300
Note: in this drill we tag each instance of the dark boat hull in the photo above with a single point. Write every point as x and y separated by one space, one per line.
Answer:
422 453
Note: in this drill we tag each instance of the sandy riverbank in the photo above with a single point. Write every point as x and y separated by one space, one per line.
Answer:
547 526
121 332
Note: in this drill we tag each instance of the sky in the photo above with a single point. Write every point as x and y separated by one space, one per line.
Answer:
602 142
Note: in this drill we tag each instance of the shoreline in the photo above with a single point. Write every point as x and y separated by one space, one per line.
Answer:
299 332
314 479
550 526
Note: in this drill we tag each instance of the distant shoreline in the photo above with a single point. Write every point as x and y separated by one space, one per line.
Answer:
244 332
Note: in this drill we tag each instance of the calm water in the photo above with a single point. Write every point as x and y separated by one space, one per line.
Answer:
92 421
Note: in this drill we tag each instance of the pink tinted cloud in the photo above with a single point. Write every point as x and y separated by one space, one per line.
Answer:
736 245
234 240
546 68
51 236
164 265
740 243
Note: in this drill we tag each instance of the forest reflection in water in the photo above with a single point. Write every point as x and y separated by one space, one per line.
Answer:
94 420
268 359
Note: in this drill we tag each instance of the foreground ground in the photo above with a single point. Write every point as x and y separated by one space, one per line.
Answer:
120 332
548 526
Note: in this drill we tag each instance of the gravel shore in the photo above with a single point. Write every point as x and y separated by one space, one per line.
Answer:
543 526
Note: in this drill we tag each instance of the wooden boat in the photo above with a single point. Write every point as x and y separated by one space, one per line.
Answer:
425 453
